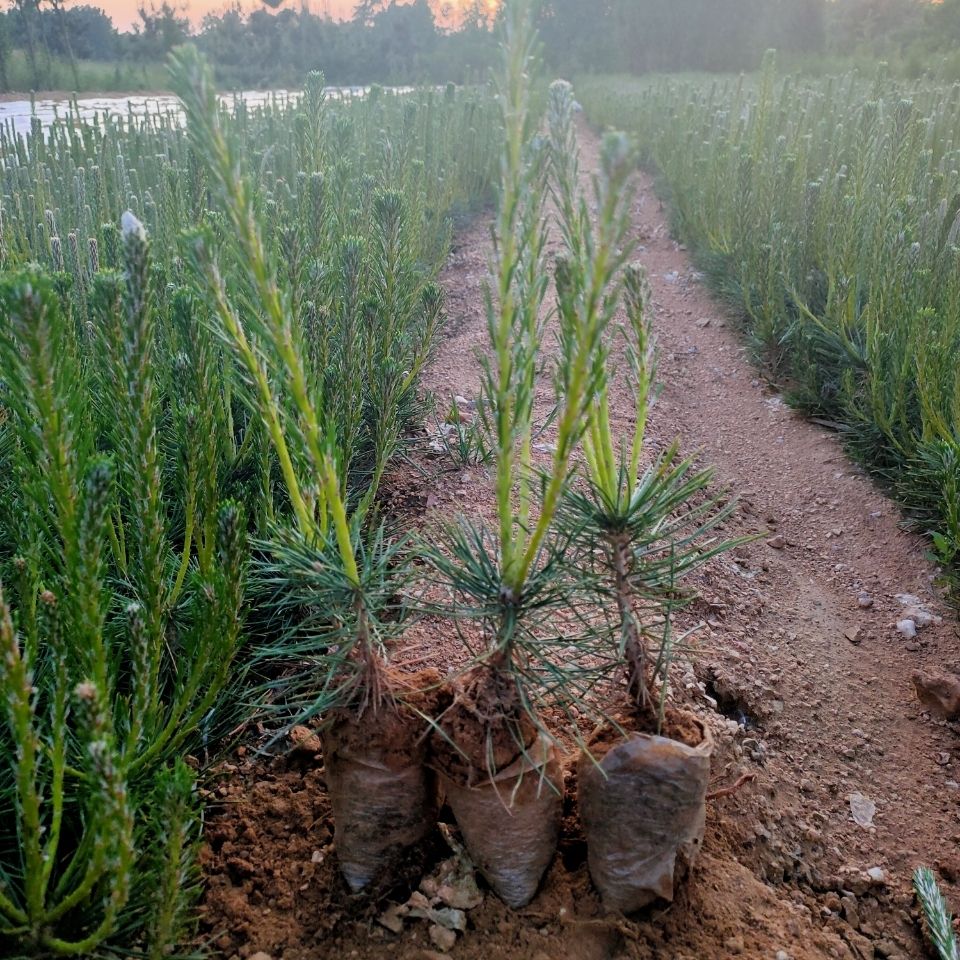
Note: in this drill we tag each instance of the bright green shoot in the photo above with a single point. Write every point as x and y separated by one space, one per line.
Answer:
605 459
318 498
514 307
516 325
515 581
635 527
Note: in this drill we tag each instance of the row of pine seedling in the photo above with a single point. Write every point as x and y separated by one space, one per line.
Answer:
199 404
828 211
140 474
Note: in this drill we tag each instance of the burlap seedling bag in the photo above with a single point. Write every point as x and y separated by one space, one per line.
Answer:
643 807
383 795
511 822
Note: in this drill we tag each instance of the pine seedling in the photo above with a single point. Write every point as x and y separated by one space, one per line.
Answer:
640 529
636 530
330 585
83 803
512 578
938 922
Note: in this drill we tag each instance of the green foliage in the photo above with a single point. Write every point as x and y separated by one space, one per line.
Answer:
79 48
332 588
644 36
936 913
827 211
518 578
502 576
107 671
634 532
254 335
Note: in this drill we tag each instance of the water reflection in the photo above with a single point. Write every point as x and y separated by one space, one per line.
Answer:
15 115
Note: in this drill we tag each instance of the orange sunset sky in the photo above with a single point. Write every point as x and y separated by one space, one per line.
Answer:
124 12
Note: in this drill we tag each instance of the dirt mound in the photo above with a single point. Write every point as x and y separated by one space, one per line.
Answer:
274 886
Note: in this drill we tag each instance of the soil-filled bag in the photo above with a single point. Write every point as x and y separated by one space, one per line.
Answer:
383 795
511 822
643 807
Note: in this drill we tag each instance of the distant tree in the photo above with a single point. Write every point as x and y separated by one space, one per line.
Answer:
366 10
853 23
161 28
27 16
944 21
581 36
5 46
57 7
401 36
92 33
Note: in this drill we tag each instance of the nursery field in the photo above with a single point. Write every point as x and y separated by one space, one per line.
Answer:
828 214
403 555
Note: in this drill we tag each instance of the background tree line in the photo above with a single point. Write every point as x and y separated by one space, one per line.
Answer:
46 44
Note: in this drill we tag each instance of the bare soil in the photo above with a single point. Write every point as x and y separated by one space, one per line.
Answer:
800 675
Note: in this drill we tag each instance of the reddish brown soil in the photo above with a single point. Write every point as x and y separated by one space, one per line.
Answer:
817 677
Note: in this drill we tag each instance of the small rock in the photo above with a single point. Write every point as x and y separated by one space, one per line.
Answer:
391 919
418 901
260 955
462 894
920 616
449 918
907 628
877 875
304 741
851 913
443 939
886 949
782 955
943 759
907 599
864 601
777 542
734 944
703 322
853 880
853 635
939 692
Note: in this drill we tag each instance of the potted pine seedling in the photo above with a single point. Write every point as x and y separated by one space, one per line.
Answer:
333 586
643 776
498 763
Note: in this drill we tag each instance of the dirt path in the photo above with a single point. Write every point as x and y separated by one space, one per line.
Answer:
800 627
798 647
809 617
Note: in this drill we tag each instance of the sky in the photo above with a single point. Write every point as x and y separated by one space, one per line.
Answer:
124 12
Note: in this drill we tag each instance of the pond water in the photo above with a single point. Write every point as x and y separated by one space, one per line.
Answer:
17 113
